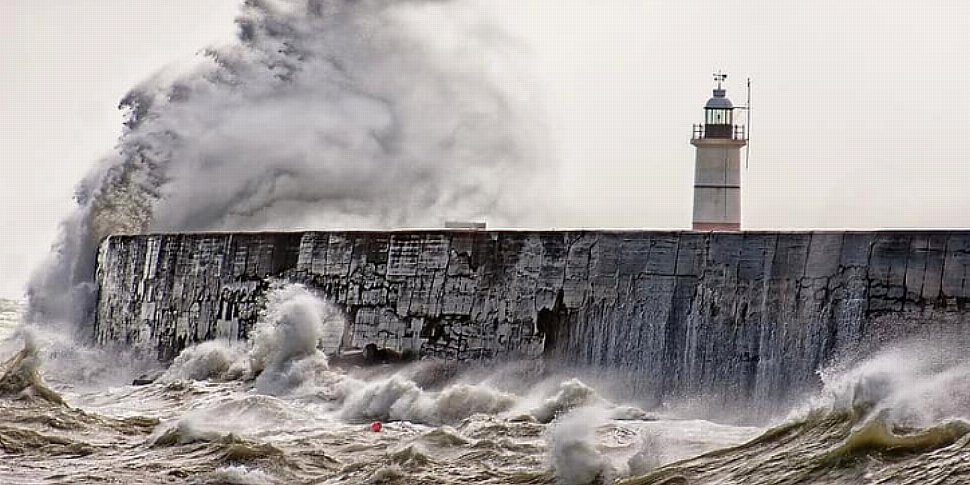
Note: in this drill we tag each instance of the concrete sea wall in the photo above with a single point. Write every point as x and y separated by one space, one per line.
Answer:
674 314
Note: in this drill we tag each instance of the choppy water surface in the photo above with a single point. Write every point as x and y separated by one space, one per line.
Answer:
10 314
274 411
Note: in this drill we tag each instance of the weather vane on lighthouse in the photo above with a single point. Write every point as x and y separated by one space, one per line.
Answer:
719 77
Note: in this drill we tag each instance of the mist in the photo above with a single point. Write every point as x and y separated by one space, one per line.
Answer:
324 114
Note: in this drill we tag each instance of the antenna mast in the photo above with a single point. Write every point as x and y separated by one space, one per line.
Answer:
747 108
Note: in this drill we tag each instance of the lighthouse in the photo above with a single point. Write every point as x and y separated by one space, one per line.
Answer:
717 175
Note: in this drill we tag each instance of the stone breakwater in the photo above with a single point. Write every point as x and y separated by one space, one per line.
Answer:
736 315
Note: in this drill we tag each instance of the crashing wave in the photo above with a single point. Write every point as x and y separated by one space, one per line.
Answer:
397 398
893 411
282 354
20 377
323 113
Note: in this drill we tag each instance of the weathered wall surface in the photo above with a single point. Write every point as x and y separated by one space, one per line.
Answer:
673 313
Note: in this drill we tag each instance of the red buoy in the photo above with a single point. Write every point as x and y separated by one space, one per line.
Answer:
376 426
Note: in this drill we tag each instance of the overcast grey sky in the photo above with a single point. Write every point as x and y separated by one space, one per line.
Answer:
859 120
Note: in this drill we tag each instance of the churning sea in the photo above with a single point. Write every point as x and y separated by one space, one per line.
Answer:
274 411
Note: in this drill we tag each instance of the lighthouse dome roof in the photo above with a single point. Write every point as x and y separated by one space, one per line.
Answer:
719 100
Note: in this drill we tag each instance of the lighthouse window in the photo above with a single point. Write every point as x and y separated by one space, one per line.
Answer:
718 117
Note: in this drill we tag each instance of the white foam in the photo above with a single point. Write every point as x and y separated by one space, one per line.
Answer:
648 457
245 416
397 398
67 364
11 315
283 353
295 323
240 475
909 385
573 451
216 360
569 395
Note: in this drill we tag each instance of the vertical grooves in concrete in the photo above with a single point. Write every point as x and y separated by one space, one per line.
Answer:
677 314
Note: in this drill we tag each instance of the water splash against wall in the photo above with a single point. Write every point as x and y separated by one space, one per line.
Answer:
325 113
673 318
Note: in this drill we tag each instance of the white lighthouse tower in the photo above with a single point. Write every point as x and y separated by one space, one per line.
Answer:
717 178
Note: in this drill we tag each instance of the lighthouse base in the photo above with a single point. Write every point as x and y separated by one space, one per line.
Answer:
717 226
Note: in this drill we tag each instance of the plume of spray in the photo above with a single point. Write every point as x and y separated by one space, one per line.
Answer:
286 345
575 458
325 113
911 384
283 353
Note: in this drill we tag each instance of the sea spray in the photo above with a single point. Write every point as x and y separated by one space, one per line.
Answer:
397 398
323 113
240 475
244 416
570 394
283 352
648 456
899 417
573 444
215 359
302 435
19 376
283 357
11 316
66 364
906 383
287 344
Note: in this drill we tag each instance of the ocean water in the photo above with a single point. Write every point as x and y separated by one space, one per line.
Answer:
274 411
389 102
10 314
